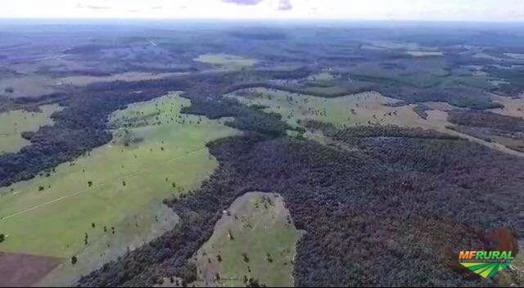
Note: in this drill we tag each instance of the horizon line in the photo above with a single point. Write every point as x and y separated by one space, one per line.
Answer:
153 19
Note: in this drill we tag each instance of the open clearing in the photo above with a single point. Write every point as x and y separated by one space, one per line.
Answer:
322 76
512 106
22 270
13 123
115 185
27 86
358 109
156 219
255 239
367 108
226 60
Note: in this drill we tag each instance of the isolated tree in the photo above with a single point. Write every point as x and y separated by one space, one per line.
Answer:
2 237
246 259
89 183
254 283
268 257
93 224
74 260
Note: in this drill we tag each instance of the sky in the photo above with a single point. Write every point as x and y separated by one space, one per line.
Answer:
430 10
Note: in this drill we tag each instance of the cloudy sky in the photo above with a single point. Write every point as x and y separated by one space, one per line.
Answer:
467 10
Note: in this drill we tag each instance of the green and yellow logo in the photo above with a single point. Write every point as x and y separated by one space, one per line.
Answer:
485 263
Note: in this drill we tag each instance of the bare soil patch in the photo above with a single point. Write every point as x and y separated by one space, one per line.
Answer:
22 270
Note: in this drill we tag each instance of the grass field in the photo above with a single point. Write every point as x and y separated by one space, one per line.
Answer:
13 123
27 86
368 108
261 246
358 109
226 61
512 106
155 219
50 215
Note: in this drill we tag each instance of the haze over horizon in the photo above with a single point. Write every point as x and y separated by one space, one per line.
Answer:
425 10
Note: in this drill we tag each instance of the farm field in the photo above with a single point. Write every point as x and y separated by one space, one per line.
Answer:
54 214
255 239
13 123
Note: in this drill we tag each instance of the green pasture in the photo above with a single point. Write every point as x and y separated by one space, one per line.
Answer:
255 239
50 214
226 60
13 123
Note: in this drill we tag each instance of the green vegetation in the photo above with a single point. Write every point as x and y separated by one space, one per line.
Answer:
13 123
358 109
50 214
254 240
130 232
226 61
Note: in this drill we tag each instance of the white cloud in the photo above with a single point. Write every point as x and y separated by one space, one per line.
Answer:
478 10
